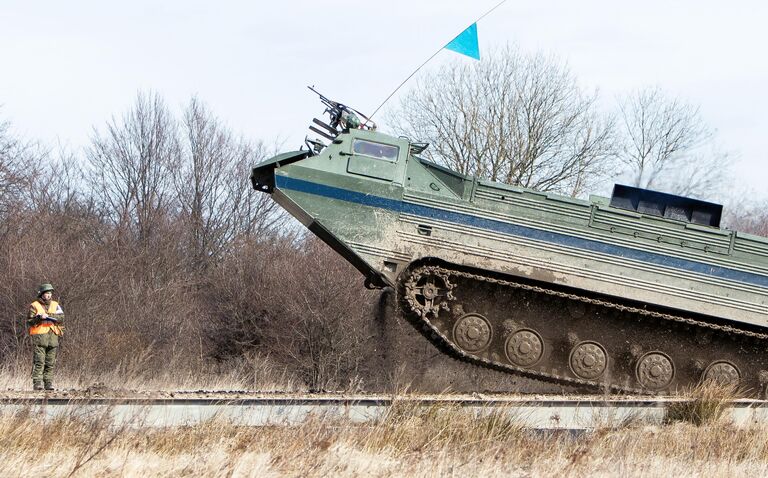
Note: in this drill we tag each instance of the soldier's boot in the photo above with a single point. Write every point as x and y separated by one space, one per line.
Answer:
49 386
37 385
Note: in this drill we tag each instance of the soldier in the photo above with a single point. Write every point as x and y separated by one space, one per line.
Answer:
44 319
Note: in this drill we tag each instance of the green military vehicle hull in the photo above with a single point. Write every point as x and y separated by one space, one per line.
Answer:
639 293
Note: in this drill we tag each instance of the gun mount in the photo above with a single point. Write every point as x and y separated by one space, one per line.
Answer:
342 118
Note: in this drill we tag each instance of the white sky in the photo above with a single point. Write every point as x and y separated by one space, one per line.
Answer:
68 66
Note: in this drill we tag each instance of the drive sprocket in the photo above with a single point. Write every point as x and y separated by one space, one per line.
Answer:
428 291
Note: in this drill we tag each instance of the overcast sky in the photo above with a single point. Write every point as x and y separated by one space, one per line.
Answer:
68 66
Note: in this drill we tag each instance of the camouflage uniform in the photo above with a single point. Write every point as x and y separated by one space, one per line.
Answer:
45 338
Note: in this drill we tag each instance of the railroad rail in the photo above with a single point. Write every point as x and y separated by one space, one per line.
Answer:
178 408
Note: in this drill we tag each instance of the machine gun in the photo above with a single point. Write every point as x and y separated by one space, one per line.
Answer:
341 117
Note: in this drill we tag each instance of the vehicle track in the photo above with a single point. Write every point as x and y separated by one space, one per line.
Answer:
446 302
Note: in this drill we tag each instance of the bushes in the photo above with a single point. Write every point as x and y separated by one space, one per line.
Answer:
298 302
291 299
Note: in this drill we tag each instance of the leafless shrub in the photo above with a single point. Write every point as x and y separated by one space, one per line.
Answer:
300 303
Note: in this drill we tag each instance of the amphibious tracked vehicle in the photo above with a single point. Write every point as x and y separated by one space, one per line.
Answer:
642 292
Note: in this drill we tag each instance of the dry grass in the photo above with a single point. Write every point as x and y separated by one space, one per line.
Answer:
702 404
249 373
408 441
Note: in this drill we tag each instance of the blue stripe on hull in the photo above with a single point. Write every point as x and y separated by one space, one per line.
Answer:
520 231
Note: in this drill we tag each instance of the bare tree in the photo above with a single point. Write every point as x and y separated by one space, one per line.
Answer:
62 186
201 177
667 145
130 163
747 215
18 163
514 118
212 188
257 216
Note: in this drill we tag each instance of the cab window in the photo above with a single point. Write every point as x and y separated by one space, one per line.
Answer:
387 152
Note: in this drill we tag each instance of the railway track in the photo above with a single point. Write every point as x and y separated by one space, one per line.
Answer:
249 408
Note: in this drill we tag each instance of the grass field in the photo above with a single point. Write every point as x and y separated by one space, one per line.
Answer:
408 441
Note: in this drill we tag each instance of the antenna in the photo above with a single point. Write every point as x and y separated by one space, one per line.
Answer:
427 61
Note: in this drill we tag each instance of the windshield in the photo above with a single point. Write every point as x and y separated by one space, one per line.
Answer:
375 150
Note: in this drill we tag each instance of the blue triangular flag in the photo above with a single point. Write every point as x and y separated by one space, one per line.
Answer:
466 43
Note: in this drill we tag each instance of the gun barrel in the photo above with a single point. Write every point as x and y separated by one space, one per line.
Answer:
327 101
